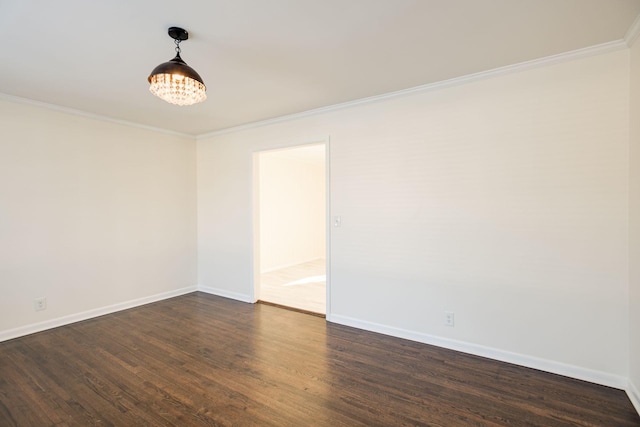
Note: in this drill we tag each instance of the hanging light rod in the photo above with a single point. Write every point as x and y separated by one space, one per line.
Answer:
174 81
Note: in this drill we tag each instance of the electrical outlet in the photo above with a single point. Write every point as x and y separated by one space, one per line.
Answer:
448 318
40 304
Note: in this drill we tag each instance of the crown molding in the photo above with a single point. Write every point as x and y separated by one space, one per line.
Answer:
603 48
501 71
633 32
73 111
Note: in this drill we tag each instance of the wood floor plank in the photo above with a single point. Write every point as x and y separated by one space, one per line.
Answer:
201 360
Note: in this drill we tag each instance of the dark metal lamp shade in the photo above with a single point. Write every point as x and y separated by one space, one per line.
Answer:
176 82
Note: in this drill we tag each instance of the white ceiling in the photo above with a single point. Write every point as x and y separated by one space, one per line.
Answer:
267 58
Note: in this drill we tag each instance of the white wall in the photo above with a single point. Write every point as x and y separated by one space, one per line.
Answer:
503 200
634 215
292 209
92 215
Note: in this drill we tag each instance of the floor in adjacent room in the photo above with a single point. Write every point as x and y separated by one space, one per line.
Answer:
301 286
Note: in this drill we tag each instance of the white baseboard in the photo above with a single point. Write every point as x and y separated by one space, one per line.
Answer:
226 294
572 371
634 396
478 350
85 315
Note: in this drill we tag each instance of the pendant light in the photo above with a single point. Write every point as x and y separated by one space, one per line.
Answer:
174 81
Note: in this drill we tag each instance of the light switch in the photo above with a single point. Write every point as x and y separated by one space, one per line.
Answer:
337 221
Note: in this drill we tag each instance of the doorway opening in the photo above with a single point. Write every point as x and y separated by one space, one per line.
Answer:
290 227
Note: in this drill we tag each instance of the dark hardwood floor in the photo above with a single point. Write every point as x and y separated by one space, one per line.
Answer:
201 360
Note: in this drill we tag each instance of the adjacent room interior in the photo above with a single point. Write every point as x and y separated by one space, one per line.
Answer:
292 217
479 238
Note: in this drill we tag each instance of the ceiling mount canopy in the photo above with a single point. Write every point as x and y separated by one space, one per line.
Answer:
174 81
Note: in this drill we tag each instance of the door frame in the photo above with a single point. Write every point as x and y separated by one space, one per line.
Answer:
255 209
